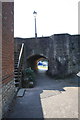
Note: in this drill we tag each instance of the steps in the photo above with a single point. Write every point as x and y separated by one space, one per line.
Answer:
18 60
17 72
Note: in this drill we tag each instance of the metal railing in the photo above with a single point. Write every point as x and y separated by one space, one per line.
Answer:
20 55
19 65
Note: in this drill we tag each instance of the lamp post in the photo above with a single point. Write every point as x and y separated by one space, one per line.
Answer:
35 14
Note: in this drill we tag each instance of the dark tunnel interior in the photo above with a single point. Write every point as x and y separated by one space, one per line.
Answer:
32 61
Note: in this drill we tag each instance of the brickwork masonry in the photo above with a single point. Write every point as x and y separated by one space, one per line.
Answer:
8 87
8 93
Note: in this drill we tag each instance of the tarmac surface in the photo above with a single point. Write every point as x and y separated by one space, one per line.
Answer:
50 98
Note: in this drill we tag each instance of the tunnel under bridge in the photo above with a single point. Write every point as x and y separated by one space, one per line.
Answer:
60 50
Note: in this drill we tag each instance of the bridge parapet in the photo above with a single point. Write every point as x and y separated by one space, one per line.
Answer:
61 50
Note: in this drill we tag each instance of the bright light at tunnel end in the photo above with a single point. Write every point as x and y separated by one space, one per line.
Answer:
42 65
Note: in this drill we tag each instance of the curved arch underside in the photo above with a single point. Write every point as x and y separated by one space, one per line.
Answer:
33 60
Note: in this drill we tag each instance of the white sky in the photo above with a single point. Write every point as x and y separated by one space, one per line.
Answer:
53 16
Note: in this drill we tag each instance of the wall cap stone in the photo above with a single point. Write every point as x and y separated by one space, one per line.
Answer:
6 0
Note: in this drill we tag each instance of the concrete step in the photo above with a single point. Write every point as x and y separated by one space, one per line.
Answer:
21 92
17 54
16 70
16 89
16 83
16 59
15 67
17 75
16 63
17 80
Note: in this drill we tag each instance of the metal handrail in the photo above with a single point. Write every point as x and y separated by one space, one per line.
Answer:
20 54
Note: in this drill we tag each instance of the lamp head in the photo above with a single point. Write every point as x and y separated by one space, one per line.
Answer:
34 13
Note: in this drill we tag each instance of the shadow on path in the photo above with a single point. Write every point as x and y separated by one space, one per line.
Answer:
29 106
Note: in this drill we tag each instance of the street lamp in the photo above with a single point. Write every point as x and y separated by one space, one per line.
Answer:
35 14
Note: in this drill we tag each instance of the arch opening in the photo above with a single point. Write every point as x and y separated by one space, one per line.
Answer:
38 63
42 64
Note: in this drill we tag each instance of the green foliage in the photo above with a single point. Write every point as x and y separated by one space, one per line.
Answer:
29 77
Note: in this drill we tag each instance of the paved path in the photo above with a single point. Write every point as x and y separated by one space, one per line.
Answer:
49 99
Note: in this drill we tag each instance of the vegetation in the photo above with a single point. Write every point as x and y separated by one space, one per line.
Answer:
29 77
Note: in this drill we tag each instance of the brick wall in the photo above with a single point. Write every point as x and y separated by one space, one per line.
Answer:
7 40
8 87
0 60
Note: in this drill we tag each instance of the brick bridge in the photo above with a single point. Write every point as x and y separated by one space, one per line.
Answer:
60 50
